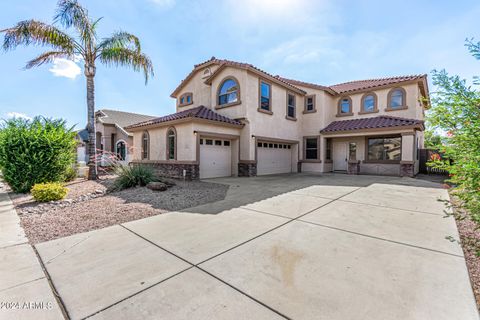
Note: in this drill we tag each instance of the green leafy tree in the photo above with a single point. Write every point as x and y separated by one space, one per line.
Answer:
456 111
35 151
432 140
120 49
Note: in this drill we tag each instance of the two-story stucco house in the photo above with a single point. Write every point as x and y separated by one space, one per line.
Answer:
235 119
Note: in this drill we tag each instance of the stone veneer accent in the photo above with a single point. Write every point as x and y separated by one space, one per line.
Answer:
172 170
407 170
353 167
247 169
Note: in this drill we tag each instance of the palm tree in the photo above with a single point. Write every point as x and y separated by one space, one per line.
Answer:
120 49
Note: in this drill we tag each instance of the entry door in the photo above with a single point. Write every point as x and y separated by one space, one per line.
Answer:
340 156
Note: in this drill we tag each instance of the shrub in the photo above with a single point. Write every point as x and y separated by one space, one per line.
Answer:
132 176
52 191
35 151
70 174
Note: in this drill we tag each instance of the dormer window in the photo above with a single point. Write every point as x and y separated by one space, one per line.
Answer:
185 99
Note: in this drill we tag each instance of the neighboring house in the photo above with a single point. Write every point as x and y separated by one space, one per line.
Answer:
111 135
235 119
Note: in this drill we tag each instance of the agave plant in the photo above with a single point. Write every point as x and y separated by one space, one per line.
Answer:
120 49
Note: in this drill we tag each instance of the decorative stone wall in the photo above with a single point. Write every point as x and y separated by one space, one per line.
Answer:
407 170
173 170
353 167
247 169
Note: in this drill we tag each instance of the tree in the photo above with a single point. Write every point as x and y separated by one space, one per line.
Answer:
120 49
456 111
432 140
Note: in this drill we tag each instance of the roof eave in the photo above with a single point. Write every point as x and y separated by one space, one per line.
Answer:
177 121
418 126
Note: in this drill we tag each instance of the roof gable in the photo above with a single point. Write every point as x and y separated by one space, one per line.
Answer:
121 119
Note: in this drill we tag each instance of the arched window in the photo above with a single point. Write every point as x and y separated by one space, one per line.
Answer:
121 150
228 92
369 102
145 145
397 99
171 144
344 106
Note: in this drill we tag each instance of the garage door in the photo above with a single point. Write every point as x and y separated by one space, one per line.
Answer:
215 158
273 158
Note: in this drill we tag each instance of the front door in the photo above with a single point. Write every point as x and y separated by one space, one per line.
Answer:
340 156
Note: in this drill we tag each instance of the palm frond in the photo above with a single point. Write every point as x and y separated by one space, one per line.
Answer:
32 32
129 58
121 39
47 57
71 13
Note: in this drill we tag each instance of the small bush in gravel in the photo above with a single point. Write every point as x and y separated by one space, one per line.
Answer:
52 191
132 176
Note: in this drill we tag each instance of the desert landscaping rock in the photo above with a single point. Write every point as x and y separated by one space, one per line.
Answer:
157 186
88 206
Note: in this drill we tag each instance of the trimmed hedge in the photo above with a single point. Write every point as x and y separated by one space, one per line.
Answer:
35 151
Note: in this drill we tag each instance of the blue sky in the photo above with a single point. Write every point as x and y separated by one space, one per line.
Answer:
323 41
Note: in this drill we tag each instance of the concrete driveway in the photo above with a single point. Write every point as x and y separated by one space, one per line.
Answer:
278 247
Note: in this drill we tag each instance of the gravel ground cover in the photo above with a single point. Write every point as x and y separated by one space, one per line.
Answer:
88 206
470 239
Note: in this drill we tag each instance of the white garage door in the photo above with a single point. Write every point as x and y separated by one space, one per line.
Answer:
215 158
273 158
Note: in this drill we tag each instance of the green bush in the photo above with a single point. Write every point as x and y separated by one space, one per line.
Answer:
52 191
132 176
35 151
70 174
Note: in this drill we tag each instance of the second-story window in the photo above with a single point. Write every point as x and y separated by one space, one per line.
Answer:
310 103
228 92
369 102
265 96
291 105
344 106
396 99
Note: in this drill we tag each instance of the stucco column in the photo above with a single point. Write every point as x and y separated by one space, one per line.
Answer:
407 163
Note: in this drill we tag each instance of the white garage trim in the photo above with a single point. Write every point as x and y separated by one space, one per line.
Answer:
275 156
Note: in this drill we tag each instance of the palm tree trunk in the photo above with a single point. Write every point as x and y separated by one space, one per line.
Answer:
92 156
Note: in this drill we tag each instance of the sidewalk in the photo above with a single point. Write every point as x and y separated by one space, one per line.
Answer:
24 289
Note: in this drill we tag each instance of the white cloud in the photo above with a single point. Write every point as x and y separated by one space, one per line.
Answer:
164 3
65 68
14 114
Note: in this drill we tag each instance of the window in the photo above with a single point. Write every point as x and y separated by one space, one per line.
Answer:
275 146
396 99
265 96
228 92
209 142
344 106
201 141
311 148
185 99
289 146
310 103
369 102
384 149
259 144
352 151
171 144
290 105
218 142
121 150
328 151
270 145
145 145
226 143
265 145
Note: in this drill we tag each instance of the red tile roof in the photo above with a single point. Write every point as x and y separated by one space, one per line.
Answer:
307 84
199 112
371 123
241 65
372 83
